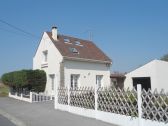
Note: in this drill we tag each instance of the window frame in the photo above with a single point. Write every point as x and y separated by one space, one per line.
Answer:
45 56
99 81
74 81
52 80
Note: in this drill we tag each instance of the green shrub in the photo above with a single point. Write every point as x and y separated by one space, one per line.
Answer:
31 79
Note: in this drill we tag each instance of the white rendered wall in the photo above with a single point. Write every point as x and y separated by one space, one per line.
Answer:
87 72
157 71
53 62
162 75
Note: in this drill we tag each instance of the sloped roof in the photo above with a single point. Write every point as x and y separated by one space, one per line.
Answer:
87 50
152 64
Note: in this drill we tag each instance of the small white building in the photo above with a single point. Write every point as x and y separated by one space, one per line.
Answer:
151 75
71 62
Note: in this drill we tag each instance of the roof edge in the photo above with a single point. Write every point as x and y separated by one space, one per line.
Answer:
84 59
41 38
153 60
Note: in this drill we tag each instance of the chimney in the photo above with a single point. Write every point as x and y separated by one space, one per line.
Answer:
54 33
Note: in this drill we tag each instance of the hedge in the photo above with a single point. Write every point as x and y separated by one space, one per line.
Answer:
31 79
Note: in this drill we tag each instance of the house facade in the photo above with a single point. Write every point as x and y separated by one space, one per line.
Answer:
151 76
71 62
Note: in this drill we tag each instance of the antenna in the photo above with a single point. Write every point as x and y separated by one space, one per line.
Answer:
90 35
90 32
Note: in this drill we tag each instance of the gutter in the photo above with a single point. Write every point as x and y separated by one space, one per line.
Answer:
87 60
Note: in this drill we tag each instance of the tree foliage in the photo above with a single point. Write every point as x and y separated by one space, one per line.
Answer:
31 79
165 57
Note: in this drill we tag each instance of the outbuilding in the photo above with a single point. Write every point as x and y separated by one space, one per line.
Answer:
153 75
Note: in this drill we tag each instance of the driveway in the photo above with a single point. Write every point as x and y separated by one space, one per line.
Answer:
42 114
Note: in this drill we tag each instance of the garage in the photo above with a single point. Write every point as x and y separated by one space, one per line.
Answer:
152 75
144 81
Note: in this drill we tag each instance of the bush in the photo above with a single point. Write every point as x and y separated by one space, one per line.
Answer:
34 80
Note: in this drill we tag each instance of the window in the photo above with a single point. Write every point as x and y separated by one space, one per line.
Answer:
52 78
99 80
78 43
74 80
66 40
73 50
45 56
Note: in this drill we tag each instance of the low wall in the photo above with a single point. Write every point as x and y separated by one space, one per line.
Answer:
34 97
20 97
117 119
116 106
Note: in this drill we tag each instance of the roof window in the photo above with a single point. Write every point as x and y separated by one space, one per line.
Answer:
73 50
66 40
78 43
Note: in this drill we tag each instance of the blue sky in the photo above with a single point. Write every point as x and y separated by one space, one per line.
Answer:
130 32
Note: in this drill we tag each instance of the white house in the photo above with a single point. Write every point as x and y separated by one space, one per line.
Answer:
152 75
71 62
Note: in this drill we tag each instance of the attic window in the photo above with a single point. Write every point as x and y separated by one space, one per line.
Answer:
78 43
45 56
66 40
73 50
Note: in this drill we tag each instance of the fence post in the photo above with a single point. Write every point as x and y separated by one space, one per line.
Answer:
139 92
56 97
96 98
31 97
68 96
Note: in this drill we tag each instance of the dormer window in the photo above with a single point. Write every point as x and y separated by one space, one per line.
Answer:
73 50
45 56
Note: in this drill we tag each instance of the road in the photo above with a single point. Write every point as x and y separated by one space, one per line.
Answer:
44 114
5 122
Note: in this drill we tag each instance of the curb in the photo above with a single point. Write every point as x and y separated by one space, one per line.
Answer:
11 118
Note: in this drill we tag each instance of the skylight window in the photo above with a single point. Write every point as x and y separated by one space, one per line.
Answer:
78 43
73 50
66 40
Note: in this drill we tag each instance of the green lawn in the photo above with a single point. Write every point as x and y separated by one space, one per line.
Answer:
4 90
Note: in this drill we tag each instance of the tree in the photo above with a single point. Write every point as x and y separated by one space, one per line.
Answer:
164 58
26 79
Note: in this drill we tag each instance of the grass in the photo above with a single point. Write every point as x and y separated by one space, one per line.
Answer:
4 90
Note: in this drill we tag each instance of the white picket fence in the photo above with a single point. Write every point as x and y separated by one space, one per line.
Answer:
116 106
32 97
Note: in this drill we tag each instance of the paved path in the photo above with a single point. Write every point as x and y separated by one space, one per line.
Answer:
43 114
5 122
